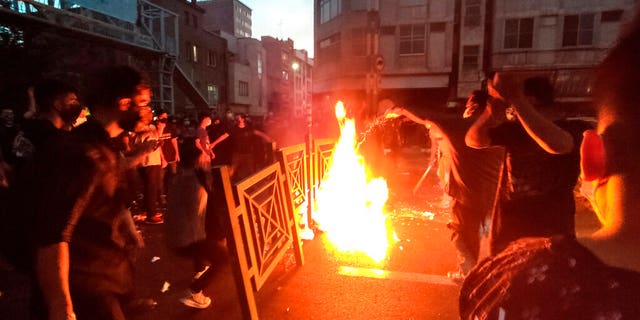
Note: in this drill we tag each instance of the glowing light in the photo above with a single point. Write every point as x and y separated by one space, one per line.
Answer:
350 204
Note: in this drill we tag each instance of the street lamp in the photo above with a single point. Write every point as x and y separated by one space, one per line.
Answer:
295 66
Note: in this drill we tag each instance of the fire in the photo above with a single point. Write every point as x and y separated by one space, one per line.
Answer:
350 204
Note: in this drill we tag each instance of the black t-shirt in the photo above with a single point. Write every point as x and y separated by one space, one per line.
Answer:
242 140
536 195
169 133
533 172
82 204
549 278
474 172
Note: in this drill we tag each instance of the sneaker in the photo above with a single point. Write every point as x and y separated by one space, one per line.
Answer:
155 219
196 300
456 276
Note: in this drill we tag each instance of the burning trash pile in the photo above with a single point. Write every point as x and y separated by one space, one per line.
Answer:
350 207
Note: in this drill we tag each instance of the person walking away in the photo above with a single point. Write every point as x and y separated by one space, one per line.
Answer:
186 230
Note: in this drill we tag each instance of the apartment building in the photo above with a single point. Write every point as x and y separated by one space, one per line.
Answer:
431 53
230 16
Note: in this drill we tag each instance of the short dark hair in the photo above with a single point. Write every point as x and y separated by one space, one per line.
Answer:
107 85
202 115
48 90
539 88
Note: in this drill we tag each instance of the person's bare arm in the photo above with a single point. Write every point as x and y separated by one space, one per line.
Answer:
220 139
263 135
52 270
544 132
174 143
398 111
478 134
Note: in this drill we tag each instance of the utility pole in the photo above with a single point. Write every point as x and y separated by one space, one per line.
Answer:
487 46
452 101
375 60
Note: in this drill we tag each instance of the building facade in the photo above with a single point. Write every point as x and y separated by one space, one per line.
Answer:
247 79
230 16
200 74
302 86
429 53
560 39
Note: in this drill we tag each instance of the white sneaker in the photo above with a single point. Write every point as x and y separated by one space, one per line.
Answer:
196 300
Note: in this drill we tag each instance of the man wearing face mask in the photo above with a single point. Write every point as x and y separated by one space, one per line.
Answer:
58 106
91 275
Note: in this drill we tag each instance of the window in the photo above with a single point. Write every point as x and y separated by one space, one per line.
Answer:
359 42
285 75
259 64
243 88
329 9
186 18
412 39
470 55
412 11
195 21
194 53
212 94
472 13
578 30
611 16
518 33
212 59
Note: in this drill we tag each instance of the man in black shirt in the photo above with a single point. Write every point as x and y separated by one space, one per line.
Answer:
82 260
243 151
542 163
595 277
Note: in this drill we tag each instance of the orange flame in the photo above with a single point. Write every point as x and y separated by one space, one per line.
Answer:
350 207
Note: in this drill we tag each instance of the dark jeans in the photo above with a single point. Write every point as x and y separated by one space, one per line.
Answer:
151 179
466 225
167 176
204 253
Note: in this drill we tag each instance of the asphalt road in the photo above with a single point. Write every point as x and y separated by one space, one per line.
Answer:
411 284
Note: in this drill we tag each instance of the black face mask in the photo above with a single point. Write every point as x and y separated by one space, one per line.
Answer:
70 113
128 119
163 120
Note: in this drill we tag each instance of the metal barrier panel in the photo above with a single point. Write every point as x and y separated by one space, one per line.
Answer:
323 149
294 163
263 228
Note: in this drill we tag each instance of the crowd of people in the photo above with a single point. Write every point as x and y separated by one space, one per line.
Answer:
512 157
74 187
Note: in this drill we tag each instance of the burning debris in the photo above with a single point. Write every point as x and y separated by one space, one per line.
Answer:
351 203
